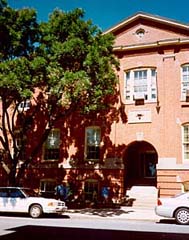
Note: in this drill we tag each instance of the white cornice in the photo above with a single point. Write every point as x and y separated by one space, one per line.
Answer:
153 18
166 42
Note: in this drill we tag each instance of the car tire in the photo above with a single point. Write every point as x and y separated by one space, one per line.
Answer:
35 211
182 216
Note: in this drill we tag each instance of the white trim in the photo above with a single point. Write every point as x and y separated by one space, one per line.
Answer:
151 83
176 41
148 17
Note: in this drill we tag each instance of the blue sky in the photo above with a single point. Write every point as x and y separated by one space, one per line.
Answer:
107 13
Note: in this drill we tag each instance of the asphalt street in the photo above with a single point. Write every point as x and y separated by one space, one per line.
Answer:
93 224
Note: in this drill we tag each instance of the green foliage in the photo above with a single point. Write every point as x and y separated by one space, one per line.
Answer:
80 58
68 58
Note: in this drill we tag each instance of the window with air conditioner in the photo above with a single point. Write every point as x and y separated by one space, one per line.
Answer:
140 84
185 83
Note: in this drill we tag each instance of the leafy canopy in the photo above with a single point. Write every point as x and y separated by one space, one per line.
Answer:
67 59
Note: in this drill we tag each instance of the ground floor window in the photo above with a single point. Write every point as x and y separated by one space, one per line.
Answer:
91 189
47 187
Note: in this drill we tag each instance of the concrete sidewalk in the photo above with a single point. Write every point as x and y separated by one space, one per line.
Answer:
127 213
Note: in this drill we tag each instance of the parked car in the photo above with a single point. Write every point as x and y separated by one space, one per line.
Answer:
24 200
176 207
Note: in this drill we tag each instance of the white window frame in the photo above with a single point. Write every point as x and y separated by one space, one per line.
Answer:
185 142
95 145
150 94
184 81
56 148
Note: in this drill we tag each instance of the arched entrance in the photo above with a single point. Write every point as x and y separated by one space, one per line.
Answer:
140 164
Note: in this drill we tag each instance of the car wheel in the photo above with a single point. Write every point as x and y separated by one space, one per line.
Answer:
182 216
35 211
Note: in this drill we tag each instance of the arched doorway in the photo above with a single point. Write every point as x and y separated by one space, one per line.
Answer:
140 164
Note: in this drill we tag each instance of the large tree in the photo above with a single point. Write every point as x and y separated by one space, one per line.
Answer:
63 65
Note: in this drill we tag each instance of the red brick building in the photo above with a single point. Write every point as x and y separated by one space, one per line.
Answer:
143 139
154 83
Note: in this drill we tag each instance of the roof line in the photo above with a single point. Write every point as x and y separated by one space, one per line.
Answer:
146 16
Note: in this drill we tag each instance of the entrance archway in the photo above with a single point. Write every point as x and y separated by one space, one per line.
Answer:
140 164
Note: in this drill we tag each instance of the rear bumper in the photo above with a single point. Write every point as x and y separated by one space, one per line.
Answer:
164 211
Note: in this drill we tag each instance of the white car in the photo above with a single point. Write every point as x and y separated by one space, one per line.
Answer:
24 200
174 207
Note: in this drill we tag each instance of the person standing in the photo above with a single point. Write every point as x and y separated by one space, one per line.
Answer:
60 191
105 194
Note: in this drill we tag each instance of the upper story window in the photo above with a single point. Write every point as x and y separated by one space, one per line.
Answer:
92 140
185 142
184 81
140 32
51 147
140 84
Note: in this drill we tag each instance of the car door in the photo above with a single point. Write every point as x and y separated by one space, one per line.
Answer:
17 202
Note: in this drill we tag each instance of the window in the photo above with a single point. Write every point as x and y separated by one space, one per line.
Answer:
184 81
51 151
91 189
140 83
185 142
47 187
92 146
140 32
4 192
16 193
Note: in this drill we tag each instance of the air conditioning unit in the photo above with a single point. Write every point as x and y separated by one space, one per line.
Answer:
139 96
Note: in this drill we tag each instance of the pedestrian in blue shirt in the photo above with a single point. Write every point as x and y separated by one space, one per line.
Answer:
105 194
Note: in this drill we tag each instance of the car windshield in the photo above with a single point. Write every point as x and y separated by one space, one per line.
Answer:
30 192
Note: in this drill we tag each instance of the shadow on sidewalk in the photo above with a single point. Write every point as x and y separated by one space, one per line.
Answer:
103 212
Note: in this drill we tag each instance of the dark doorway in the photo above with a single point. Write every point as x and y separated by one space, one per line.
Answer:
140 164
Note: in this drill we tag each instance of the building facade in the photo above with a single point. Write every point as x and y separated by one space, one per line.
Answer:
143 138
154 79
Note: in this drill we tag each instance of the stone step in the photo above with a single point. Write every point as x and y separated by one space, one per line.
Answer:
143 196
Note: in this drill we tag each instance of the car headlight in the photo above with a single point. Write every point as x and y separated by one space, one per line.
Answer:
52 204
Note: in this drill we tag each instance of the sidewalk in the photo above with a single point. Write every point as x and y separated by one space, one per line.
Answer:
127 213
